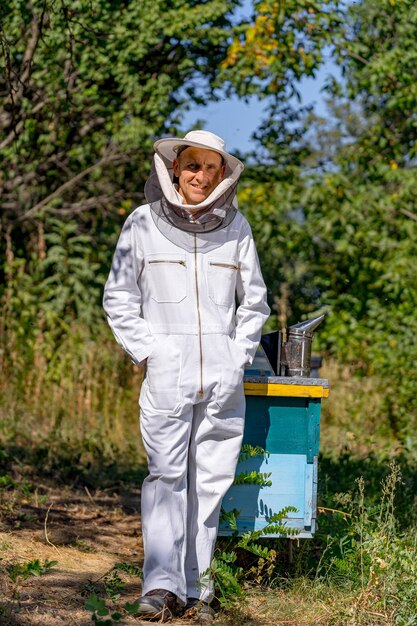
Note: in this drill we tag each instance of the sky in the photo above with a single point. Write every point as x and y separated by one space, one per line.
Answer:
235 121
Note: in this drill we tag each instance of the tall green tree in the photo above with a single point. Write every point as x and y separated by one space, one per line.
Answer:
362 213
85 89
282 43
345 230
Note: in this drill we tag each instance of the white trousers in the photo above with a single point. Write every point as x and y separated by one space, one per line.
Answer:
192 456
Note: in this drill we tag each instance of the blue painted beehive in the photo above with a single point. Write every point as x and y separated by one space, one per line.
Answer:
283 419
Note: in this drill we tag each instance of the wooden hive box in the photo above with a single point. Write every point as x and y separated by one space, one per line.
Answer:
282 418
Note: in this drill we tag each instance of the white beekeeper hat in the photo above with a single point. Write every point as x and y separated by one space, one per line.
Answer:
168 148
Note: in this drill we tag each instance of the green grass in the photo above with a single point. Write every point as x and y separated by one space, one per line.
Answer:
361 567
75 419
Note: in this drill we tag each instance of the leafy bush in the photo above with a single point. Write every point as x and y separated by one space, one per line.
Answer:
240 561
370 558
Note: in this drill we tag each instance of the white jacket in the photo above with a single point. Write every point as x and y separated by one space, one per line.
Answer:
211 285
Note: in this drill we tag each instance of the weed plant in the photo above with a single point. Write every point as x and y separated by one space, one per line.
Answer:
107 591
74 411
369 558
86 393
245 560
17 574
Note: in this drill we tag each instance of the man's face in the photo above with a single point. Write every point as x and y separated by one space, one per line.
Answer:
199 171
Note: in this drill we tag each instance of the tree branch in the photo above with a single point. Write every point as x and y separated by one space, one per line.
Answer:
71 182
409 214
90 203
16 130
35 32
356 56
90 125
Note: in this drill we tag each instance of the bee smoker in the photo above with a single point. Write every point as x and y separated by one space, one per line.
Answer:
294 353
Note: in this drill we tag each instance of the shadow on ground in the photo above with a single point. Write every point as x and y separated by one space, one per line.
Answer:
85 516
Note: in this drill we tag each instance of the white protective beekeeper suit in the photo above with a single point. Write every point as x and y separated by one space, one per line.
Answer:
188 297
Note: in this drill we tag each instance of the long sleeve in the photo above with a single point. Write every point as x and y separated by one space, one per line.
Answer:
253 309
122 300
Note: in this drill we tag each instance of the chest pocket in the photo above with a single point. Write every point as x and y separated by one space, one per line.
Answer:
167 276
222 275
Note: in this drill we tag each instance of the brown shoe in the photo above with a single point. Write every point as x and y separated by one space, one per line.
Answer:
199 610
158 604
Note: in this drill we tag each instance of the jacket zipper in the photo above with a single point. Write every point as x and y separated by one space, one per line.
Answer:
166 261
228 265
200 339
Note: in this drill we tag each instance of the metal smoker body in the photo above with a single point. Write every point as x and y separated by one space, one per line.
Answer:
294 354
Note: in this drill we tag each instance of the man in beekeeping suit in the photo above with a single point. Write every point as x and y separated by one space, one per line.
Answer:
185 295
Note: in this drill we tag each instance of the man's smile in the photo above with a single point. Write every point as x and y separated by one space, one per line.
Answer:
199 171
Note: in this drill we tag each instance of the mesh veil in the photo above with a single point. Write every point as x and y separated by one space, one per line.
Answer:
215 212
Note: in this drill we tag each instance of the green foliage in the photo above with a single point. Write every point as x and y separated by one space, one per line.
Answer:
248 451
369 554
6 481
61 371
129 568
46 295
99 609
360 216
112 585
68 267
375 50
337 233
112 582
225 576
86 90
19 572
358 230
73 415
283 43
253 478
131 608
226 572
230 518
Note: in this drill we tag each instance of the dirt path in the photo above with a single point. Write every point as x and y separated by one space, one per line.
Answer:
87 534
